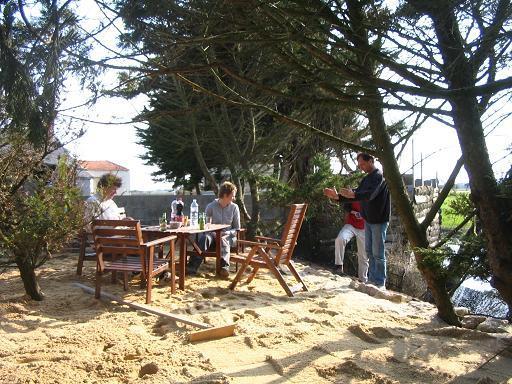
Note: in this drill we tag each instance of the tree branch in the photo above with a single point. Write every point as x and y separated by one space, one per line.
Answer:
442 195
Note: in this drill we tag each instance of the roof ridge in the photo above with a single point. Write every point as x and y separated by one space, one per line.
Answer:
101 165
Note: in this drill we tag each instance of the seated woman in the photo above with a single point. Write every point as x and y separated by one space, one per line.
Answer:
101 205
222 211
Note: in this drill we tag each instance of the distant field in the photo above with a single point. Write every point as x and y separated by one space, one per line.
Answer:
450 220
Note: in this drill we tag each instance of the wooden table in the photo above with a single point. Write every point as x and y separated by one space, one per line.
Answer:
184 236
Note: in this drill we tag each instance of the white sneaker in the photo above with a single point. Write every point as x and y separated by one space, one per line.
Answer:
166 277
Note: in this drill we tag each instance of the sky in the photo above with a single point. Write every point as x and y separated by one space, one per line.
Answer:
116 143
437 144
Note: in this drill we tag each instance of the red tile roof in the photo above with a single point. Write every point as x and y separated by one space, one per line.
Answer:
101 165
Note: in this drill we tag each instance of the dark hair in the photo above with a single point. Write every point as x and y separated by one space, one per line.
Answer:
365 156
226 188
109 180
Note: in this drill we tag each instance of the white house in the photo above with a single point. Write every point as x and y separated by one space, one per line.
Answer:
91 170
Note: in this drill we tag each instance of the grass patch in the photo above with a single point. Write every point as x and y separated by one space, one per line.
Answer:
449 218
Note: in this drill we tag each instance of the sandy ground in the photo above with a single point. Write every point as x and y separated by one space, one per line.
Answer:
332 334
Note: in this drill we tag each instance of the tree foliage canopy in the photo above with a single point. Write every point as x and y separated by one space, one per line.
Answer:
440 59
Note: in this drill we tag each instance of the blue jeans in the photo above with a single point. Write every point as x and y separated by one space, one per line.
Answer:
207 240
375 236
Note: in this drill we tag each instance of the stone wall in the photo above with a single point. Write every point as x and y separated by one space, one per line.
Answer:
403 275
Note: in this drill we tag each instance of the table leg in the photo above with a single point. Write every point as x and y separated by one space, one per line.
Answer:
183 259
218 243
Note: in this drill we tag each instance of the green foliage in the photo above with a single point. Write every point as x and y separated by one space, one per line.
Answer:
40 208
229 135
320 208
35 59
433 259
455 208
279 194
467 254
41 216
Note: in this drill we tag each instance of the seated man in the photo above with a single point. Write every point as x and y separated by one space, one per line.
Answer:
222 211
354 226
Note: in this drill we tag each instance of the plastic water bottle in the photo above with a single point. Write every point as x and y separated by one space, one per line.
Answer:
194 213
173 210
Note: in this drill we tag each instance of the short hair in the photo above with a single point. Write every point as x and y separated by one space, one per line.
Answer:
365 156
109 180
226 188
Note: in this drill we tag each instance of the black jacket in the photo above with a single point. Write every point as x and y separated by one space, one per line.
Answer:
373 194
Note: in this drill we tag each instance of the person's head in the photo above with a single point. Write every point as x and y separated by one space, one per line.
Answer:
365 162
227 191
108 184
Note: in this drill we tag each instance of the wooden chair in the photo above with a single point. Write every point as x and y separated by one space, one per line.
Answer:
85 241
272 253
237 248
122 239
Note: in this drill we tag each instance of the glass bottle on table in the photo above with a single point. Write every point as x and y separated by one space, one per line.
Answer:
201 221
163 222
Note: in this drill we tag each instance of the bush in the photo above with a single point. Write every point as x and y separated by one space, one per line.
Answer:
40 210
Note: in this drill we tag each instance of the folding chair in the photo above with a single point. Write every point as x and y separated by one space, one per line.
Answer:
272 253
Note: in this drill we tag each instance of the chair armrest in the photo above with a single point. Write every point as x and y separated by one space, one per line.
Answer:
257 244
267 239
166 239
240 233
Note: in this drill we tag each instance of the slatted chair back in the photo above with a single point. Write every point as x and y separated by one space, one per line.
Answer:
118 238
291 232
123 241
272 254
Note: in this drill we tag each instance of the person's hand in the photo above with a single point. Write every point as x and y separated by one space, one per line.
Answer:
331 193
348 193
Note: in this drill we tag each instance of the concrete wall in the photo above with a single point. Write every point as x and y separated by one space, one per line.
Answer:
148 207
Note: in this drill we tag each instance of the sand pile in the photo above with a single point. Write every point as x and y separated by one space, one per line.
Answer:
332 334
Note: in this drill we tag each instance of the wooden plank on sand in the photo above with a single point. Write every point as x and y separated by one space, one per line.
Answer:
207 333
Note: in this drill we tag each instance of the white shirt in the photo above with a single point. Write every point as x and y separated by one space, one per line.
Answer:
101 210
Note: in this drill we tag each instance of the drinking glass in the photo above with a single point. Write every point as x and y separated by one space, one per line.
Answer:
207 221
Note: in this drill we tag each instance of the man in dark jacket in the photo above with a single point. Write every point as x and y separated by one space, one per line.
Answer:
373 194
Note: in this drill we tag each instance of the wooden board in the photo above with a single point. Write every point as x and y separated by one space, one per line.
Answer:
207 333
212 333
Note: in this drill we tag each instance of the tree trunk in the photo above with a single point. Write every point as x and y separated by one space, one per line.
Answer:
385 151
239 196
492 209
252 225
432 273
28 275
